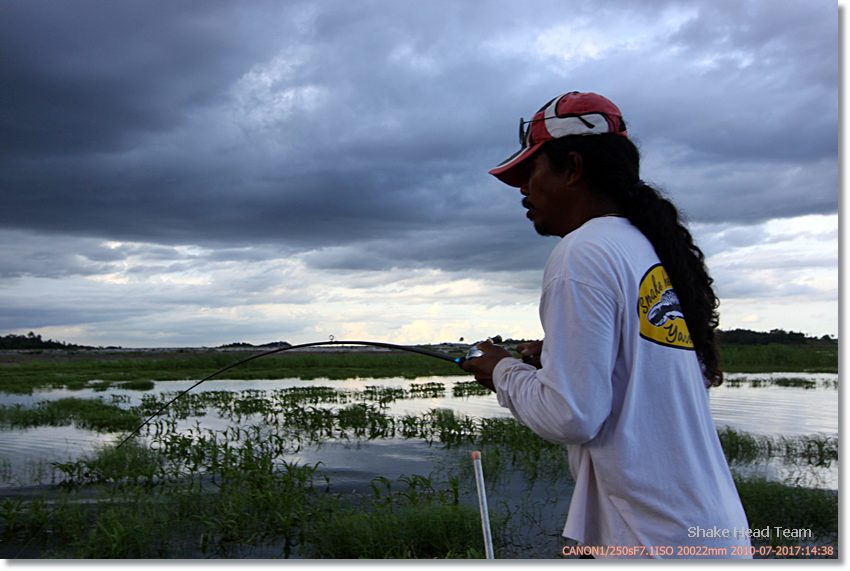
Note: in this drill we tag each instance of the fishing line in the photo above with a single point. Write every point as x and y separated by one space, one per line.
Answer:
428 352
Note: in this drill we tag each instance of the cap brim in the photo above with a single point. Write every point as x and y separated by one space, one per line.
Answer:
513 171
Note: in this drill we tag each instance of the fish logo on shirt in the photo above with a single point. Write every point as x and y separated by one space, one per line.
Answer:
659 310
665 309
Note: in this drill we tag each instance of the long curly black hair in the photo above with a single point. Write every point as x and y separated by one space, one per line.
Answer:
611 164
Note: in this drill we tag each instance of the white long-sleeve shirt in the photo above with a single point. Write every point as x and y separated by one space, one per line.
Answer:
623 390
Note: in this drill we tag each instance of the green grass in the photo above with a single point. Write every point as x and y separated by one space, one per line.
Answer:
779 358
360 414
814 450
772 504
202 492
428 531
78 373
248 506
131 463
239 503
85 413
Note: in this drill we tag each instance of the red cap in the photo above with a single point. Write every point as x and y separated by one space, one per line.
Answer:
572 113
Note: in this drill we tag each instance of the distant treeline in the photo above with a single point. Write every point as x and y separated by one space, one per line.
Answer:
747 337
33 341
732 337
774 336
243 345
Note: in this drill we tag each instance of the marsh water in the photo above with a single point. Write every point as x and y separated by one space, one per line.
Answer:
768 404
771 405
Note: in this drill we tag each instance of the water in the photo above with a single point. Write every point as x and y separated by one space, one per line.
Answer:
25 454
772 409
536 507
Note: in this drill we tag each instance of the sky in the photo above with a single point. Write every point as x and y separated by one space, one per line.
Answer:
204 172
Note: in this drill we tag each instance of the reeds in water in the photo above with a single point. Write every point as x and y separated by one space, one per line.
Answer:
813 450
235 492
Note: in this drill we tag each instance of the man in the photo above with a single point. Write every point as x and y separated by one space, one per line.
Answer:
629 315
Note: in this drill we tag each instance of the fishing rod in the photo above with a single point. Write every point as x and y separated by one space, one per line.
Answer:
473 353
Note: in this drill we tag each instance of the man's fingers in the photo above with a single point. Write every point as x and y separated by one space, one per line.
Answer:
530 348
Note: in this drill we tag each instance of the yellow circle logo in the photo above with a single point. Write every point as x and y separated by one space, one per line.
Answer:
661 317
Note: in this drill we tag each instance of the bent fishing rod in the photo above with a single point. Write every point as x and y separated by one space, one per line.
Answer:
473 352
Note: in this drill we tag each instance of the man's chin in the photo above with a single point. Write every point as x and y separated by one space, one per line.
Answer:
542 229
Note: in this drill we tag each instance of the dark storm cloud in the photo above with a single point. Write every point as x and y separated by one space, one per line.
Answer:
363 131
350 170
88 76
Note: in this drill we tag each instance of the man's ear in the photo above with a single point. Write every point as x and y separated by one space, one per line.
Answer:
575 167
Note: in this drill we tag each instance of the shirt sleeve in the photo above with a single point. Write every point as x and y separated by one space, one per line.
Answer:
569 398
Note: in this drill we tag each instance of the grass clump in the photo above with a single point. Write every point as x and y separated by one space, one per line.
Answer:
772 504
410 518
425 531
746 448
133 529
469 388
130 464
137 385
797 383
93 414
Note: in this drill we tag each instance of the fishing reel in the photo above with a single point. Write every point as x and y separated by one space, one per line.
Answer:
474 352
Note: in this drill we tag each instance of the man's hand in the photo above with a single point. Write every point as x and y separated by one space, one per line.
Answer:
482 367
530 352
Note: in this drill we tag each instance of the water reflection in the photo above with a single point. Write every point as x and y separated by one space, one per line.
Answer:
775 410
26 455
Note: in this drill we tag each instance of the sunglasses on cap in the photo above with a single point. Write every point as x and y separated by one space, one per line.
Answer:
525 135
573 113
525 131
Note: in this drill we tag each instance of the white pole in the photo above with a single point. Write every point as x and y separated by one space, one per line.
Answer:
482 504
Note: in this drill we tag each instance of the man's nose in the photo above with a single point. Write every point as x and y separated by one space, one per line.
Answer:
524 190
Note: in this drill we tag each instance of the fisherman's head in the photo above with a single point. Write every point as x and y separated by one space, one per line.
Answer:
575 160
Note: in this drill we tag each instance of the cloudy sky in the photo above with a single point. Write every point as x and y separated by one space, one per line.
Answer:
202 172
